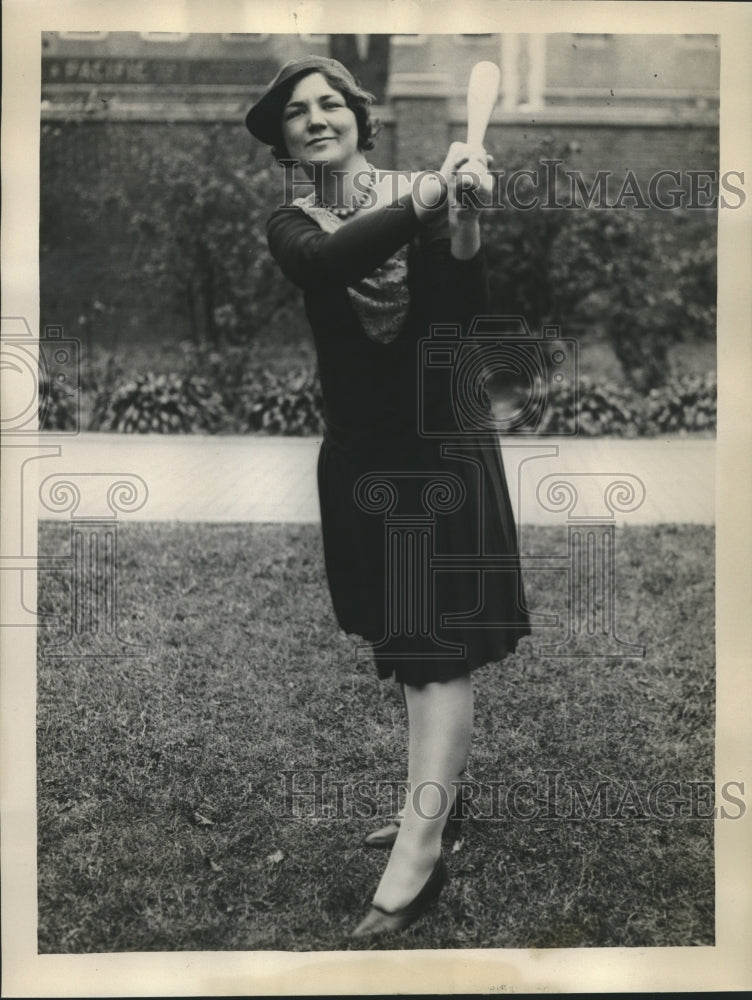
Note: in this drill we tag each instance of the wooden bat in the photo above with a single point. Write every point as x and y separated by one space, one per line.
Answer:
482 92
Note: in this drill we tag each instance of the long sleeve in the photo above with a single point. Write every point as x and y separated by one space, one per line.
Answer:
455 290
308 256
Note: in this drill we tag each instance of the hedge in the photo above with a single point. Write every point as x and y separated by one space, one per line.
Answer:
230 398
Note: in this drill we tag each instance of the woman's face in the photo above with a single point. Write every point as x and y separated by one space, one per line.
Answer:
317 125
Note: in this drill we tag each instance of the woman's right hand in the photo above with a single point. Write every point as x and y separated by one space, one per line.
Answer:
470 187
464 168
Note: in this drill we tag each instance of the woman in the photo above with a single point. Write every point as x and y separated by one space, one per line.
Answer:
381 257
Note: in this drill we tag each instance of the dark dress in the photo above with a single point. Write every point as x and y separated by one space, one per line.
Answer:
412 503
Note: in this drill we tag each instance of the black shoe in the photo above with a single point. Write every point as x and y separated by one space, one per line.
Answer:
386 835
380 921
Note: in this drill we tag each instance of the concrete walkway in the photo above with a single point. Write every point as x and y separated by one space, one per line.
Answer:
251 478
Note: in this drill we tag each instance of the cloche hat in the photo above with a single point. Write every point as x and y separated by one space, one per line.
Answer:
262 121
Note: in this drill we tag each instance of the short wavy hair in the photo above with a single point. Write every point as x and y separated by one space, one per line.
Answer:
357 99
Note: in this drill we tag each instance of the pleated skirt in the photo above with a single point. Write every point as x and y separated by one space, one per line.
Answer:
421 553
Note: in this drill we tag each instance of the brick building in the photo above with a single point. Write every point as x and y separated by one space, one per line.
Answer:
652 99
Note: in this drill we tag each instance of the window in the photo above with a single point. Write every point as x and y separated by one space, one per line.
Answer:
244 36
83 36
164 36
698 41
591 41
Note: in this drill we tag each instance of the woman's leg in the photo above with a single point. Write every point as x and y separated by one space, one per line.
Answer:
440 721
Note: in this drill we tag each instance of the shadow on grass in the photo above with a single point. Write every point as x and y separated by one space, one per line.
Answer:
165 820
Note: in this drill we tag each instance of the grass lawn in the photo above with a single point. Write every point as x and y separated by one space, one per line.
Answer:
163 823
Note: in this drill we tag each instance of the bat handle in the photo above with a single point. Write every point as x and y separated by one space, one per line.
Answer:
476 133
